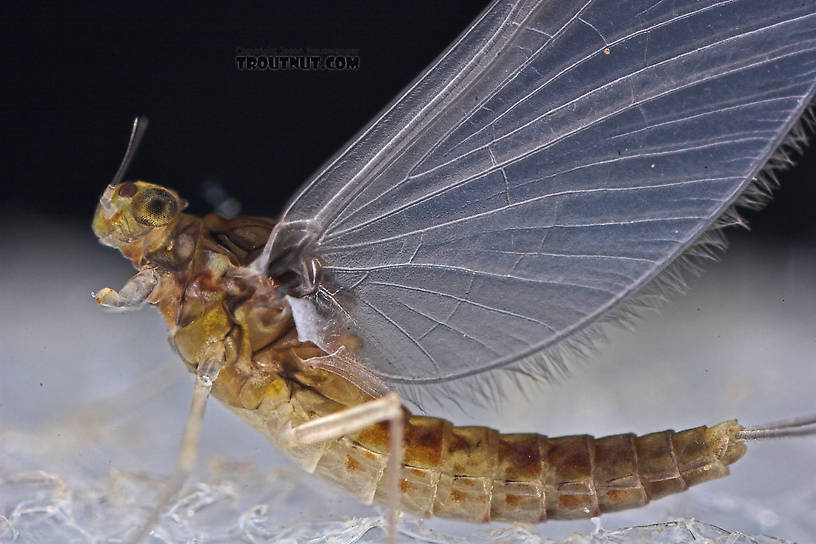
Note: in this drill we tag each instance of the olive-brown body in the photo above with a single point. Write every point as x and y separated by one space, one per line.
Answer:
468 473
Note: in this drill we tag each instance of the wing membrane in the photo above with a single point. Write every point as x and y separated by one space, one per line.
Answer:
554 160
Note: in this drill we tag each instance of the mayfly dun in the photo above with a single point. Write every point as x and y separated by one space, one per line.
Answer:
544 174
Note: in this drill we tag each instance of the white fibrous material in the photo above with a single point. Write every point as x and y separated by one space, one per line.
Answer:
237 503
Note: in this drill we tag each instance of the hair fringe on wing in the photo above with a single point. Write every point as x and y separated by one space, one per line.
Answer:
529 375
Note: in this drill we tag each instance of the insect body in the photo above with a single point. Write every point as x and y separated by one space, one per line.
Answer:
192 269
554 162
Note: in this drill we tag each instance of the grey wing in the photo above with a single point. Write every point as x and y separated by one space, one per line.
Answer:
550 163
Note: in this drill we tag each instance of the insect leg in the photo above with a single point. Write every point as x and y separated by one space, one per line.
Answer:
356 418
347 421
132 295
206 372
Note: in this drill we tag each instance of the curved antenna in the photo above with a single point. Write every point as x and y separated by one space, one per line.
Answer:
802 426
139 128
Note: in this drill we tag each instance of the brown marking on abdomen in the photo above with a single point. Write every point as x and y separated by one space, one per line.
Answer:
351 463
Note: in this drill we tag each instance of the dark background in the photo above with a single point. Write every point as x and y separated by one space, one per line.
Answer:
83 74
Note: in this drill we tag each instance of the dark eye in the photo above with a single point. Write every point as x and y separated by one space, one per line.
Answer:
154 207
127 189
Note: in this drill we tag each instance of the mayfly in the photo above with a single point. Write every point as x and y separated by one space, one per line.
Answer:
540 175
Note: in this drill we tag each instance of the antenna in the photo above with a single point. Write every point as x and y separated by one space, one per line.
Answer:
139 128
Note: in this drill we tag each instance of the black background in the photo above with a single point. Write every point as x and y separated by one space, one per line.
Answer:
82 73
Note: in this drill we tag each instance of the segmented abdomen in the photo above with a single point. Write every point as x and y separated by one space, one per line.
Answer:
477 474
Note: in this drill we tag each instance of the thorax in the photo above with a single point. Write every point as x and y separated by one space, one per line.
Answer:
205 296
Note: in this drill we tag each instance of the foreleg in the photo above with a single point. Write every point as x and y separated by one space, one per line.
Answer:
132 295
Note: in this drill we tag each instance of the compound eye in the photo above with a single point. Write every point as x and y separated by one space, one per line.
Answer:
154 207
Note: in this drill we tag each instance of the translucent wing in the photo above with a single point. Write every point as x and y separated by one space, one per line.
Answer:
555 159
